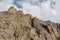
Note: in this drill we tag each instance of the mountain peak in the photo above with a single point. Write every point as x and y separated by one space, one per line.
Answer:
13 23
12 9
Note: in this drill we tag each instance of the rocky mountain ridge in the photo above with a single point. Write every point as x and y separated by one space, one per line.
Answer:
15 25
52 23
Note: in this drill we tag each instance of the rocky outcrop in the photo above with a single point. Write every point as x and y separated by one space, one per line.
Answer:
14 25
56 25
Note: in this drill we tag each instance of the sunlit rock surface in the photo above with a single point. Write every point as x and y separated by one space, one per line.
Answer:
15 25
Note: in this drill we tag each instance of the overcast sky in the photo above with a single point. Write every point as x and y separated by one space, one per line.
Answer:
42 9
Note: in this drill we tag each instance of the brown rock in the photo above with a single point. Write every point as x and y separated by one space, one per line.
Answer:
14 25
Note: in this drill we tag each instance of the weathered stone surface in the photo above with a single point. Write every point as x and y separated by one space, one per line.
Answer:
14 25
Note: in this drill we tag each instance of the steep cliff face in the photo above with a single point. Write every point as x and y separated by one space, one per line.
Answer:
14 25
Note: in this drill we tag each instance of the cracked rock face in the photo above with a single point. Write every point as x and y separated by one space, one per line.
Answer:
14 25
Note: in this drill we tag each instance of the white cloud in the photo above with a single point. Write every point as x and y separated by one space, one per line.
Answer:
55 13
57 6
45 7
48 13
34 10
46 4
42 11
5 4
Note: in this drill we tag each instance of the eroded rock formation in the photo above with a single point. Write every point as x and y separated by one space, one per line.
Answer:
14 25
